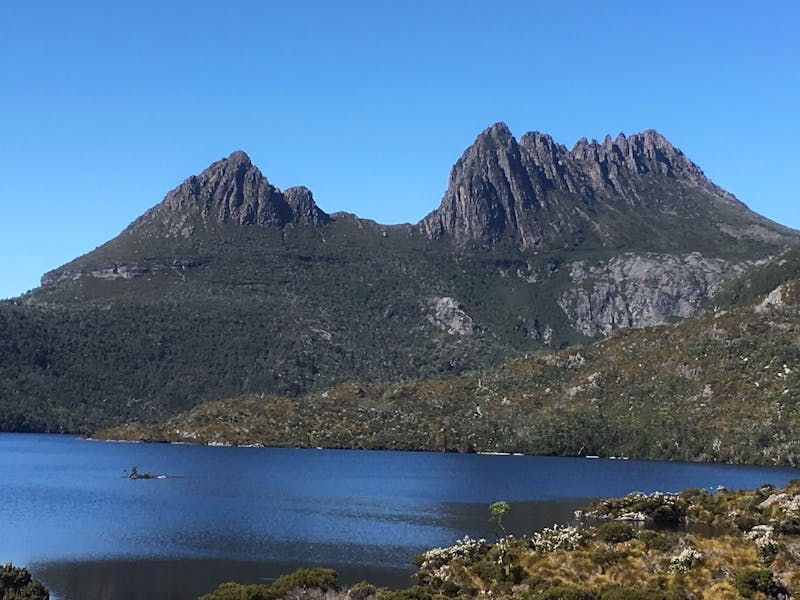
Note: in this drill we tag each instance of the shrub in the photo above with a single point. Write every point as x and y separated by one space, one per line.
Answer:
305 579
615 532
790 525
657 507
236 591
685 560
466 550
361 590
301 579
564 592
655 540
552 539
604 558
754 581
745 522
668 514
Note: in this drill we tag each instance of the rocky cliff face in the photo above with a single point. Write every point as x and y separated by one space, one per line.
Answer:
637 291
538 195
233 191
120 271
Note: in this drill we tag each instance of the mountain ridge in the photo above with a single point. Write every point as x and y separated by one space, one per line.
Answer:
538 193
534 195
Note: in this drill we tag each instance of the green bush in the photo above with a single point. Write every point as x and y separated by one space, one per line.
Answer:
237 591
668 514
754 581
745 522
615 532
305 579
361 590
301 579
564 592
655 540
604 558
790 525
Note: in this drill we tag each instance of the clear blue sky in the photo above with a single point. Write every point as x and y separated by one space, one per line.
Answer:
105 106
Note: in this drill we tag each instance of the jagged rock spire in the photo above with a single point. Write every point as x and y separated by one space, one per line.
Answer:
537 194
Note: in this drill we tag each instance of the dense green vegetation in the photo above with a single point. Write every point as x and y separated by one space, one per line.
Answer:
299 314
16 583
760 280
722 545
724 388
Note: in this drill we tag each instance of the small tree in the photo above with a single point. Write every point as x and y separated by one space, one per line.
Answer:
496 512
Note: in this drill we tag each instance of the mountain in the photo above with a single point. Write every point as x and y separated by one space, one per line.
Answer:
231 286
539 195
724 387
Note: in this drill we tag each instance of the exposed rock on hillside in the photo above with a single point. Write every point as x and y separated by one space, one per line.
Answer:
119 271
787 294
448 315
636 291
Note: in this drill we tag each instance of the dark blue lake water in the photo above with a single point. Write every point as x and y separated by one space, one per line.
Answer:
68 512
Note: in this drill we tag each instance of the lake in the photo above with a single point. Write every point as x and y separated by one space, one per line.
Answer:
68 512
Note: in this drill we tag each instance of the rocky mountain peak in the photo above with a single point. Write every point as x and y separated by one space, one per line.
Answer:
237 157
231 191
488 192
304 210
496 133
537 194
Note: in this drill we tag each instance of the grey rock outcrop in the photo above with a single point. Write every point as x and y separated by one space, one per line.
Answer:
786 294
448 314
119 271
636 291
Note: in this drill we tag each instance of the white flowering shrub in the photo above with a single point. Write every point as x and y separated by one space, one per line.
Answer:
685 560
764 538
434 565
551 539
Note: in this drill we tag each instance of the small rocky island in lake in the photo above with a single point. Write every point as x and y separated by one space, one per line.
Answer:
135 474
